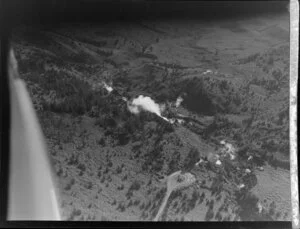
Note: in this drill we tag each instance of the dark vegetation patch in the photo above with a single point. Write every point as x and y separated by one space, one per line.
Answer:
248 210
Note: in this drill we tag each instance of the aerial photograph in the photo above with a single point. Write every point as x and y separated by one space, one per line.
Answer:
172 111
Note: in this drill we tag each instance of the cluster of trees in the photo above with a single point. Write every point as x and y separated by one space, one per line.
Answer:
217 185
75 95
74 213
248 209
30 65
174 162
69 184
153 157
197 98
135 186
271 85
268 59
207 96
73 159
121 207
220 125
123 126
183 203
269 62
150 208
190 160
248 59
210 212
279 163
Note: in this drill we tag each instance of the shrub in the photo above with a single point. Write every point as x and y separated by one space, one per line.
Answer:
218 216
70 184
134 186
142 206
121 207
59 171
106 170
73 160
88 185
136 202
209 214
109 164
76 212
121 187
118 170
129 194
81 167
101 141
102 179
194 199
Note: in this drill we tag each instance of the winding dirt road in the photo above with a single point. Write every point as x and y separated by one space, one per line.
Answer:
175 181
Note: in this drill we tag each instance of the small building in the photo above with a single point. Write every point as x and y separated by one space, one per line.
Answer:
218 162
241 186
247 171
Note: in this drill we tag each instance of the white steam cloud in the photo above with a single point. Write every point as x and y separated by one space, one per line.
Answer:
178 101
147 104
144 103
107 87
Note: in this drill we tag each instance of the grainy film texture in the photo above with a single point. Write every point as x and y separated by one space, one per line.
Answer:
176 118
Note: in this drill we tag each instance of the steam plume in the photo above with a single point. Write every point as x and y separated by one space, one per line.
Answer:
144 103
107 87
147 104
178 101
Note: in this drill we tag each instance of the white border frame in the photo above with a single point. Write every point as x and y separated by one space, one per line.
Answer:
294 43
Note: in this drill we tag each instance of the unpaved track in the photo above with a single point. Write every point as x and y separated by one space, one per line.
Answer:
173 184
162 206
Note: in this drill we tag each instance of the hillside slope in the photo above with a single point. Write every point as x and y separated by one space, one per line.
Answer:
232 78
